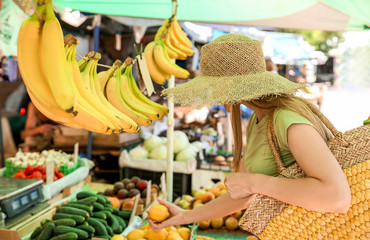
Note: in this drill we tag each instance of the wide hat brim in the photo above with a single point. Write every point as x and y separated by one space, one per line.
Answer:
210 90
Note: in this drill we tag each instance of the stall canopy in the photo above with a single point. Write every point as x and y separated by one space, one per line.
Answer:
328 15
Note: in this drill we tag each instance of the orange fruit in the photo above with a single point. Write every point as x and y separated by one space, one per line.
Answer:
158 212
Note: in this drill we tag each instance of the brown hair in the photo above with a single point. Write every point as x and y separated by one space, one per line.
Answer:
288 102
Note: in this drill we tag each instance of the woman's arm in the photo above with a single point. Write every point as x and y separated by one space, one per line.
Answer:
219 207
324 189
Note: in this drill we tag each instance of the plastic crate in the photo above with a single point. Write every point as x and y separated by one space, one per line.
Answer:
181 181
11 169
66 169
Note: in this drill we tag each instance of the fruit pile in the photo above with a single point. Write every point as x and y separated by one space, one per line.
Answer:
38 172
159 213
69 92
91 215
155 147
123 193
202 197
170 43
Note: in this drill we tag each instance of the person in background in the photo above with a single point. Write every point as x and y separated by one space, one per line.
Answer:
271 66
36 125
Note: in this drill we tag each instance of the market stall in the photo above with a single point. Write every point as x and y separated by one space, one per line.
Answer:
184 163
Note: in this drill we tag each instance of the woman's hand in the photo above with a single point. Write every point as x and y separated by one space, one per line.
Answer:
239 185
175 218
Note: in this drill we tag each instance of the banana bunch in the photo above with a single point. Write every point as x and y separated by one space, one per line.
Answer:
123 93
54 82
170 43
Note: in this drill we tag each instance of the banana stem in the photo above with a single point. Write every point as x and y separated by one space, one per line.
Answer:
100 65
37 12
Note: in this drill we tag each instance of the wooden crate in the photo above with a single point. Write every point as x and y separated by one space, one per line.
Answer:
67 137
114 140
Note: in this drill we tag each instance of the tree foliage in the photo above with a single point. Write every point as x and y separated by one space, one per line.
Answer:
321 40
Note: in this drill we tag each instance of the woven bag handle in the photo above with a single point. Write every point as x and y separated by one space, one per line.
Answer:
273 143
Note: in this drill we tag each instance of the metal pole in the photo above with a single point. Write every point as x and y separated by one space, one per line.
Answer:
170 130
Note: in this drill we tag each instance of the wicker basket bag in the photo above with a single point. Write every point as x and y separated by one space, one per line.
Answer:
269 218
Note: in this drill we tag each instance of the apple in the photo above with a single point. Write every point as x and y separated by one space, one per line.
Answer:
184 204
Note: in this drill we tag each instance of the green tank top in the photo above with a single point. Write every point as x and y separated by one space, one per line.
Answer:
258 157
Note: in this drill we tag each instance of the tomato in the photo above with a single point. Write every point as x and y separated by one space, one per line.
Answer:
60 175
20 174
37 174
30 170
55 178
40 168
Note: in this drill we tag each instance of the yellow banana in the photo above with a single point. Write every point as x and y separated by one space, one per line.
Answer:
115 98
129 124
158 75
83 86
180 35
177 44
162 30
172 52
130 98
166 64
53 61
161 110
101 122
105 75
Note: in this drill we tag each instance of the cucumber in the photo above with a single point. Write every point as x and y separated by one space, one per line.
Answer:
86 228
122 223
109 230
113 222
84 223
65 222
65 229
44 221
36 232
101 199
99 214
87 201
80 206
98 226
109 209
97 207
107 213
124 214
101 220
79 219
66 236
115 211
85 194
72 210
47 231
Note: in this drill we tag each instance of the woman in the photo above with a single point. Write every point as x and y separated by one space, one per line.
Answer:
234 73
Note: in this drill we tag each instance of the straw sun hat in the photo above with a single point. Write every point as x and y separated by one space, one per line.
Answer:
232 69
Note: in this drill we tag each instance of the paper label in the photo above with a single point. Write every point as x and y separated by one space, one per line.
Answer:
143 68
49 171
148 193
75 152
163 185
137 198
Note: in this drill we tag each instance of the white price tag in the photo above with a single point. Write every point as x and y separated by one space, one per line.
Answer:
75 152
148 193
133 213
163 186
49 171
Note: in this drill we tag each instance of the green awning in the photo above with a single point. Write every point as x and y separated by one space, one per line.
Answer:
329 15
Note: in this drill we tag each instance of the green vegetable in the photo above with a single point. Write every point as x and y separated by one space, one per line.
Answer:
72 210
113 222
98 207
44 221
98 226
367 121
80 206
86 228
109 209
104 222
122 223
65 229
79 219
47 231
36 232
103 236
64 222
101 199
87 201
66 236
109 230
125 214
85 194
99 214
